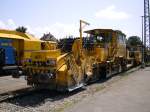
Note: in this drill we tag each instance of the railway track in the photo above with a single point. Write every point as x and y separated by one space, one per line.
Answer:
18 93
30 90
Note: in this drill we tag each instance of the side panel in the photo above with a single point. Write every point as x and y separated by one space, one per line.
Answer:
6 45
19 47
61 78
30 46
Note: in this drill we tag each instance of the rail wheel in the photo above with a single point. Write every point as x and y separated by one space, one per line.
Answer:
124 65
124 68
119 68
105 72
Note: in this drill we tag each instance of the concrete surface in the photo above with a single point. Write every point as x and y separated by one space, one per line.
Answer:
130 94
7 83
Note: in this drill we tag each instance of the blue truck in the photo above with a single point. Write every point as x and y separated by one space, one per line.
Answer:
8 63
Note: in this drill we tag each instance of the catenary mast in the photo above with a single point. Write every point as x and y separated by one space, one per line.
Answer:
146 24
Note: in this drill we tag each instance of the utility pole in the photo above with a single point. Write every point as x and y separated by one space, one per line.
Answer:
146 24
143 62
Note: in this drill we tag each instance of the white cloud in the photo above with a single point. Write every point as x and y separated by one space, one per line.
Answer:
111 13
59 30
2 24
9 24
65 29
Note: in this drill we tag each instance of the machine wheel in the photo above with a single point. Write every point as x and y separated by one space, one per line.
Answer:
103 73
119 68
96 73
124 68
16 73
36 86
124 65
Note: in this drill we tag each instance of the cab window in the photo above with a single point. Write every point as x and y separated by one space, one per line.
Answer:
121 39
104 37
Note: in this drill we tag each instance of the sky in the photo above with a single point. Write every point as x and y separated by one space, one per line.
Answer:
61 17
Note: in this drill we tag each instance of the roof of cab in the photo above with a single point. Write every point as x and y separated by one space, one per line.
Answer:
96 31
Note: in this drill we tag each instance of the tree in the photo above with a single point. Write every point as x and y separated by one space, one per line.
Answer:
134 41
48 37
65 44
21 29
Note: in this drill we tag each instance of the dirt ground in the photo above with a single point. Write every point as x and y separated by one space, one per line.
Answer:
132 94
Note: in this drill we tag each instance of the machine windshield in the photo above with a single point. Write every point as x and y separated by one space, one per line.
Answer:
100 39
103 37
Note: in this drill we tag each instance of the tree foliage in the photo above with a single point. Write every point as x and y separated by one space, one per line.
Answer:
48 37
21 29
134 41
65 44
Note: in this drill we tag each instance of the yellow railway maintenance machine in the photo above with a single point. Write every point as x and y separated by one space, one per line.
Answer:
106 55
15 49
99 55
134 55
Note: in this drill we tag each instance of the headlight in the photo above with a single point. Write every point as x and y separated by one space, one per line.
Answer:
51 62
